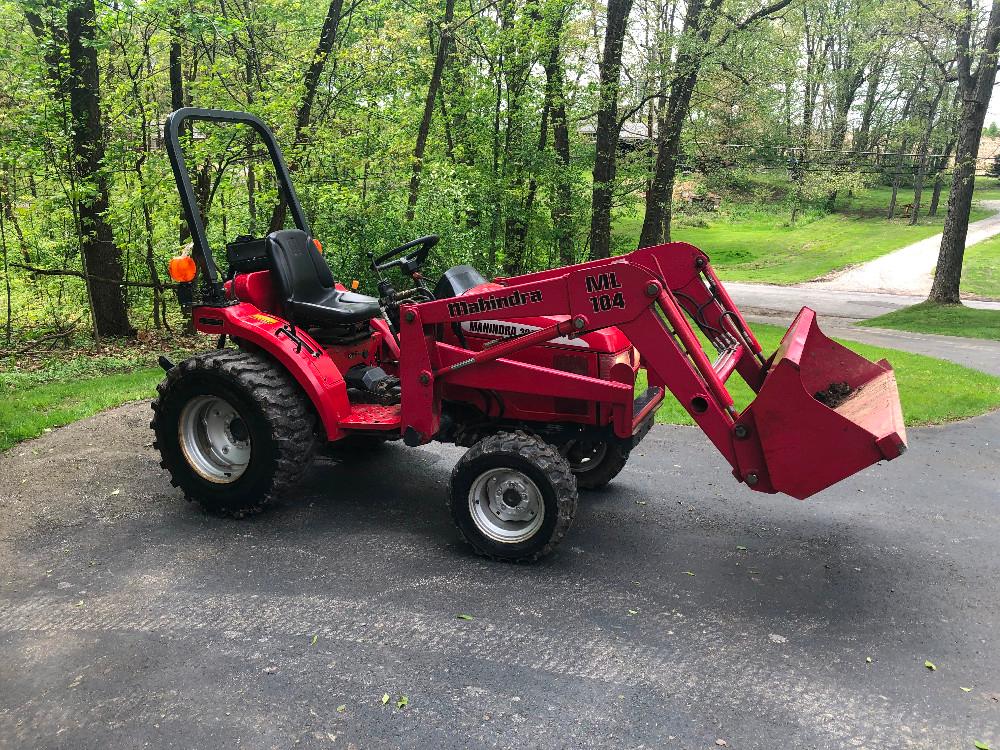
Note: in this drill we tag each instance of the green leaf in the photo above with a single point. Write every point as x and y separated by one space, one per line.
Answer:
965 690
688 573
980 745
632 612
403 702
740 548
341 708
465 617
385 698
930 666
315 638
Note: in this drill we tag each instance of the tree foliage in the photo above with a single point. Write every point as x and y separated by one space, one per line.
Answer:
516 129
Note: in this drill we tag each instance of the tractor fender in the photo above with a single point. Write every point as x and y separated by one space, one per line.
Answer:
293 348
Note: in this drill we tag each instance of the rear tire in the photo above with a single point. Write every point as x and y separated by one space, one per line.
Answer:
595 464
513 497
234 430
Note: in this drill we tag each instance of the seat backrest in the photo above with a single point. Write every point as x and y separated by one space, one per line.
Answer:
456 281
303 275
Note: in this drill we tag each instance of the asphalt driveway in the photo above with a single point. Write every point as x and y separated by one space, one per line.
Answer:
682 609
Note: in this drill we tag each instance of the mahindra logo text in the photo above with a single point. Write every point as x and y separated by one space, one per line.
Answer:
462 307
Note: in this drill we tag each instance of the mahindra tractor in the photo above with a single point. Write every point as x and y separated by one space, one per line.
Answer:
537 375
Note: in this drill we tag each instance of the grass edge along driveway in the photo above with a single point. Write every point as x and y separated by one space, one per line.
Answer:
28 411
944 320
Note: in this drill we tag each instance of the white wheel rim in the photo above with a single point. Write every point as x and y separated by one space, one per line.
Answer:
506 505
214 439
585 455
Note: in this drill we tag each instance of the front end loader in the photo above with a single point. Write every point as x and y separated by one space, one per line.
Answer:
536 374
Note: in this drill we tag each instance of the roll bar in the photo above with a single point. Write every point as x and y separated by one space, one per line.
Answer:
202 252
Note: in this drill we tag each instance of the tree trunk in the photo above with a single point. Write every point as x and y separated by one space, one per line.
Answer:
424 130
977 88
562 206
8 325
659 199
101 256
607 133
303 115
868 109
918 184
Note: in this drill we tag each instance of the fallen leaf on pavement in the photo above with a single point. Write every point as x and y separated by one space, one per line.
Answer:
315 638
385 698
403 702
965 690
721 743
464 617
741 549
868 660
981 745
930 666
688 572
341 708
632 612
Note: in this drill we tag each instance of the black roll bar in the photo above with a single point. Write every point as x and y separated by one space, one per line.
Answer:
202 252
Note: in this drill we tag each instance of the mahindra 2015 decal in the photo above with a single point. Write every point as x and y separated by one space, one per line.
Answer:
608 299
504 330
462 307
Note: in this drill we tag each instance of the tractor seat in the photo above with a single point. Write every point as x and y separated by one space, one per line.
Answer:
307 286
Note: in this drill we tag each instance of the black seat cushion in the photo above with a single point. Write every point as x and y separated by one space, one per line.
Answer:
306 284
457 280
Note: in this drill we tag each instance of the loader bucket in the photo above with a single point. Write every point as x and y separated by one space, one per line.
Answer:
823 412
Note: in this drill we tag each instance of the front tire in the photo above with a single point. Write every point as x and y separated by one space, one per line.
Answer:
513 497
233 429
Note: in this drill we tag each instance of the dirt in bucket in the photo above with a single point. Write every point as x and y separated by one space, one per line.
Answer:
834 395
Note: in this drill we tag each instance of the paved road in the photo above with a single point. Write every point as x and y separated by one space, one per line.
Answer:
771 299
130 619
838 310
909 270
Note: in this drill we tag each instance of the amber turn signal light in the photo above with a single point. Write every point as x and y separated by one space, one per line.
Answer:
182 269
355 284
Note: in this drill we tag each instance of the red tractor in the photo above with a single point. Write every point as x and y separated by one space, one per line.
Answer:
535 374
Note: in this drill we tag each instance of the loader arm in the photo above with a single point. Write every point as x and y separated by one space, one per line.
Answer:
785 441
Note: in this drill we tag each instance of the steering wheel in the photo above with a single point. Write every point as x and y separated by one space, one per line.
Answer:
410 262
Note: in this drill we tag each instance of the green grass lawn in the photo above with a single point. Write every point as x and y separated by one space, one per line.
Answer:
37 394
948 320
981 269
932 391
28 412
32 402
754 241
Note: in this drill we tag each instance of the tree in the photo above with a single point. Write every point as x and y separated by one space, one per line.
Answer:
994 169
700 21
71 52
976 66
303 113
444 40
608 128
